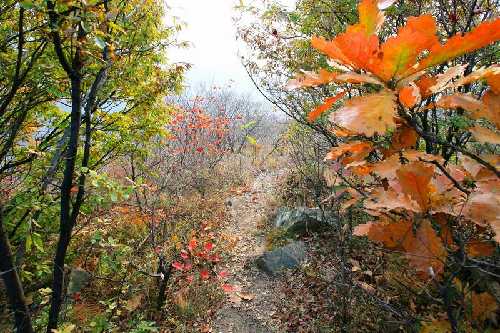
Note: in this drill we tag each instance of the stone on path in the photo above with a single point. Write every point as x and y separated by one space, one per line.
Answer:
300 220
288 256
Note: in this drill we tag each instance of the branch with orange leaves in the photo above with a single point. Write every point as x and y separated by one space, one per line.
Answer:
447 174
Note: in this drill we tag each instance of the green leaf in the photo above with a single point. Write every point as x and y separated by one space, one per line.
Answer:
37 241
27 4
29 243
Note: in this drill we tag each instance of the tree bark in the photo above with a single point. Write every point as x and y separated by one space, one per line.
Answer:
66 220
14 288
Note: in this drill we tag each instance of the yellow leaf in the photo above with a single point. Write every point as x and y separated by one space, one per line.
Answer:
441 326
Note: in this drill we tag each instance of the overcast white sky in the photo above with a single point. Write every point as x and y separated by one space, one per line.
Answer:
214 50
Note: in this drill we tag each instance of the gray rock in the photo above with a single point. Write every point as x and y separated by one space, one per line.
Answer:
78 279
300 220
288 256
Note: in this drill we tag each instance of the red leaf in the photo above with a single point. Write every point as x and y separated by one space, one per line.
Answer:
223 274
214 258
209 247
204 274
227 288
184 254
177 265
193 243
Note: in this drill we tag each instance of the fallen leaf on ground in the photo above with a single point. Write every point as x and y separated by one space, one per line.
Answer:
246 296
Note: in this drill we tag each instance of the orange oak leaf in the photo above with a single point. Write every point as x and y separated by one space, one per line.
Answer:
424 83
390 234
446 198
331 49
483 208
311 79
415 179
403 137
370 17
342 132
357 150
390 199
409 96
481 36
478 171
352 48
387 168
491 111
479 74
445 233
359 168
368 115
444 80
494 82
464 101
400 52
483 305
483 135
425 250
480 249
353 77
318 111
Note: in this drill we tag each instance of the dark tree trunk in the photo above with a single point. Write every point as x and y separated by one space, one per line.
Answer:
66 220
13 284
164 272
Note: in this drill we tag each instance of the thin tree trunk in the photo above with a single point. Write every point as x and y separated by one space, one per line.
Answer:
66 221
13 285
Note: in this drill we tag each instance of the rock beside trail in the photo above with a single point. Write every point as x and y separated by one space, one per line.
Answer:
300 220
288 256
78 279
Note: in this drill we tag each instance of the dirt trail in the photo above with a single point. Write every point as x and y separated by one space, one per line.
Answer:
253 311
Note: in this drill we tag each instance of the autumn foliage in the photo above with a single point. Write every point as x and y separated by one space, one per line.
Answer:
434 205
194 130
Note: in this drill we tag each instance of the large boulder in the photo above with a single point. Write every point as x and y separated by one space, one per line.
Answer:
300 220
288 256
